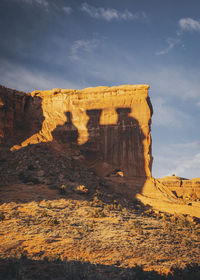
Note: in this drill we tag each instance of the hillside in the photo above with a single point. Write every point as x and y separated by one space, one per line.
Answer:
70 210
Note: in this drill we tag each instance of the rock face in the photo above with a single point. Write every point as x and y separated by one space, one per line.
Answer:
20 116
109 126
183 188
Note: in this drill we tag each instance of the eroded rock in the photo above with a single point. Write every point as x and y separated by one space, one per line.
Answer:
109 127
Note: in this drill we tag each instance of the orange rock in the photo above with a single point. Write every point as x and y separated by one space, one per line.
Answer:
108 124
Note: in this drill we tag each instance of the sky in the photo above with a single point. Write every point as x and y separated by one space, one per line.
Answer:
48 44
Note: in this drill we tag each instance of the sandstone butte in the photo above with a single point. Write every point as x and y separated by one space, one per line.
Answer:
109 127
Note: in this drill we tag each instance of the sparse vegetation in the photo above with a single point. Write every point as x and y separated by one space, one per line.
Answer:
44 213
134 225
2 216
81 189
97 213
62 189
52 222
87 222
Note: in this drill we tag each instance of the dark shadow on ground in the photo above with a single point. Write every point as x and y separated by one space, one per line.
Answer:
27 269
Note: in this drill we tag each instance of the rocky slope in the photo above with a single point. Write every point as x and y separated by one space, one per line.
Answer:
73 165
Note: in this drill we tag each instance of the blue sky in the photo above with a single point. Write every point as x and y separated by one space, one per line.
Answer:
47 44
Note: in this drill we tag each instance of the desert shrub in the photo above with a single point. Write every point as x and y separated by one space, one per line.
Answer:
22 177
52 222
190 271
169 227
196 232
31 167
134 225
25 178
186 242
81 189
15 214
165 217
91 226
2 160
62 189
2 216
114 206
96 202
48 205
98 213
138 227
44 213
184 222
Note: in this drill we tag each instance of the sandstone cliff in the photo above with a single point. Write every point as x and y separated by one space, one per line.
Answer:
182 187
20 116
110 126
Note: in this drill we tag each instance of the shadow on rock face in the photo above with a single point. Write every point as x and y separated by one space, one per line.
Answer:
66 133
115 153
21 116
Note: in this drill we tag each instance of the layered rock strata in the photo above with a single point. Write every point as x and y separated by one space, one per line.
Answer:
20 116
109 125
182 187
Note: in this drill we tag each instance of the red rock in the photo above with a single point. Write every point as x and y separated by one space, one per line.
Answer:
109 125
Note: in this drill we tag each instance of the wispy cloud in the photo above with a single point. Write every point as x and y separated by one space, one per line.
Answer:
80 48
184 24
189 24
108 64
67 10
109 14
171 43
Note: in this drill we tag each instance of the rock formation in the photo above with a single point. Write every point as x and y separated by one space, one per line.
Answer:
110 126
103 129
20 116
182 187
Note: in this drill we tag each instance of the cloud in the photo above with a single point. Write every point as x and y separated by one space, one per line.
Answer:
67 10
81 48
110 65
17 77
109 14
189 24
171 42
185 24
